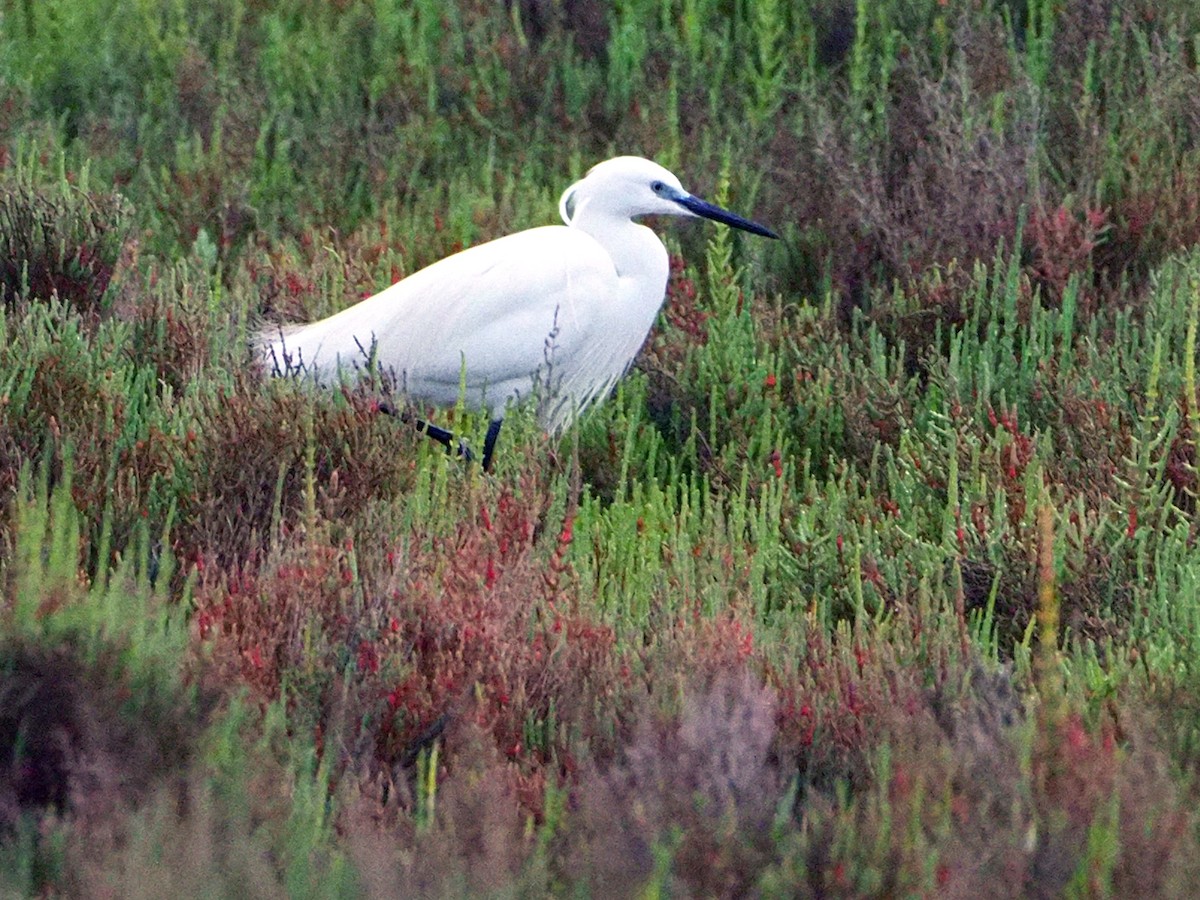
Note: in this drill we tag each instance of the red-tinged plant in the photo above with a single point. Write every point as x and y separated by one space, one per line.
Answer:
204 191
261 628
947 185
1014 450
123 458
1180 471
1002 831
287 276
703 783
169 333
667 350
63 243
681 311
1156 216
470 630
950 774
1062 243
249 460
1108 776
476 842
829 712
492 641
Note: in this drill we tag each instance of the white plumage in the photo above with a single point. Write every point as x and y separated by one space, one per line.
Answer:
560 310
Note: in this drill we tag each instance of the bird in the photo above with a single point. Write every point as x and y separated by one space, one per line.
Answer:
557 312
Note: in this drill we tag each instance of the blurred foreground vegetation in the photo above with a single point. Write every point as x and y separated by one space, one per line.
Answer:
877 577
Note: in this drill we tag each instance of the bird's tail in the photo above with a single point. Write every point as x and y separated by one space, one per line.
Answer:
270 348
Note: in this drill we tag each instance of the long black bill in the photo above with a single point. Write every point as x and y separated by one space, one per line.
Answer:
714 212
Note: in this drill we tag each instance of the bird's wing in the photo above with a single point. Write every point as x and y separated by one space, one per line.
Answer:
497 308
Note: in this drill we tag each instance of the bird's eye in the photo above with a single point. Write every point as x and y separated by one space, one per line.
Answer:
657 186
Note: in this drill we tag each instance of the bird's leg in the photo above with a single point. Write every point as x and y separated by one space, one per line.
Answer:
441 435
489 442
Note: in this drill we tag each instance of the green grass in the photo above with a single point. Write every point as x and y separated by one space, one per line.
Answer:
875 577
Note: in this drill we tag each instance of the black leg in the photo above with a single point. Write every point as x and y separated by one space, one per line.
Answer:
489 443
441 435
446 438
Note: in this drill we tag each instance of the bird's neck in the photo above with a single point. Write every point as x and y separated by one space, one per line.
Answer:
635 250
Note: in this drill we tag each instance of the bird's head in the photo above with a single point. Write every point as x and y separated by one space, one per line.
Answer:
626 187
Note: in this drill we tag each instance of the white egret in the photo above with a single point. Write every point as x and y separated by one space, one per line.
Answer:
558 311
